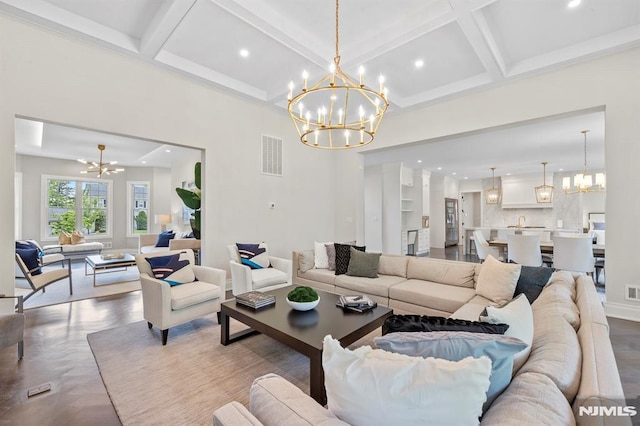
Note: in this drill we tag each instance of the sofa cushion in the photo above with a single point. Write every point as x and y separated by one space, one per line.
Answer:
321 259
558 298
442 271
353 379
321 275
441 297
236 414
530 399
588 302
363 264
255 256
306 260
519 316
331 256
393 265
274 400
497 280
343 256
189 294
556 353
375 286
532 280
457 345
266 277
427 323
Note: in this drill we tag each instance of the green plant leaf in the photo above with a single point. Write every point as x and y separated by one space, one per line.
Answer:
197 173
189 198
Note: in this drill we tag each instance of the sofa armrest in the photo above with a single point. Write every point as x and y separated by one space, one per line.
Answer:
275 401
212 276
234 414
284 265
147 240
184 243
241 281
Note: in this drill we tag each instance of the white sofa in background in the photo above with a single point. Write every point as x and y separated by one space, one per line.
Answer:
147 243
74 251
571 363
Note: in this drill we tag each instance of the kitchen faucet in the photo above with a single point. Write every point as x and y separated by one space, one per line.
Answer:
523 221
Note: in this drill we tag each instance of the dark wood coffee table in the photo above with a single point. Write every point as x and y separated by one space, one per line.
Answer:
303 331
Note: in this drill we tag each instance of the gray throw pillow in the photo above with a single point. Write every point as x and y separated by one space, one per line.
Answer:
331 254
363 264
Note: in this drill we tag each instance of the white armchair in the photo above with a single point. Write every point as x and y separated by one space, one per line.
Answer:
244 279
166 306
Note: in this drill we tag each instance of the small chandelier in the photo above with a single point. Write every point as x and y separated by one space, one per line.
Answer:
337 112
582 181
100 168
544 192
494 195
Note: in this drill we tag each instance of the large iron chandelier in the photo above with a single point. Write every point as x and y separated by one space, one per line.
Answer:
583 182
101 167
337 112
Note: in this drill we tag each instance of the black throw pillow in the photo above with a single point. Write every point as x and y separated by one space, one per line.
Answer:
343 256
532 280
30 257
415 323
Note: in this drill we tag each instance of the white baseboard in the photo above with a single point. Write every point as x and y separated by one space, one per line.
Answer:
621 311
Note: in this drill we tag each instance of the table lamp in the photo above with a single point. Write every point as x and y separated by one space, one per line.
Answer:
163 220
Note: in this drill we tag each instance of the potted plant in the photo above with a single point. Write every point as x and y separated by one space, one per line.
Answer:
192 199
303 298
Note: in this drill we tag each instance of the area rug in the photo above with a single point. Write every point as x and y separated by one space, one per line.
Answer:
106 285
185 381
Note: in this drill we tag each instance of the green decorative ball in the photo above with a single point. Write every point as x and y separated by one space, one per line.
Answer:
302 294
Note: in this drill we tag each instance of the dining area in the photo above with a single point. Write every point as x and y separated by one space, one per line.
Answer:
570 251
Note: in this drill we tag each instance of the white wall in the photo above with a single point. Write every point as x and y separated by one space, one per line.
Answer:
436 219
48 76
611 82
373 215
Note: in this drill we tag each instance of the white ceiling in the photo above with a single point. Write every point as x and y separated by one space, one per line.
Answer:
465 44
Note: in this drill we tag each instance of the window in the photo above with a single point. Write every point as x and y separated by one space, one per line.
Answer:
137 208
77 204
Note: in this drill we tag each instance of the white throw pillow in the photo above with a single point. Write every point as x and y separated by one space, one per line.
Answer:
519 316
375 387
497 280
320 253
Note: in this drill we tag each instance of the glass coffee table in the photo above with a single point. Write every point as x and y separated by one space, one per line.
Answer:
303 331
98 263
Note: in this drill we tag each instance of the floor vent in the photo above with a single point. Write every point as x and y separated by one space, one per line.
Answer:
271 156
632 292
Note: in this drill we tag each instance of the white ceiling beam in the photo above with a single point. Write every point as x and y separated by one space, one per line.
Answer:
163 24
441 92
479 37
51 16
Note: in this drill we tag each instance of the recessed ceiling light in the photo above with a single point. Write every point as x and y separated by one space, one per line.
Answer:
465 178
508 174
574 3
454 173
560 170
439 168
244 53
167 150
144 162
419 161
419 63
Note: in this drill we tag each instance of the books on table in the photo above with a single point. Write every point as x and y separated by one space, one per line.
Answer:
356 303
255 299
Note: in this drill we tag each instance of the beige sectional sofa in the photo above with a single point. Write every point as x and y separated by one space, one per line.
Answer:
571 363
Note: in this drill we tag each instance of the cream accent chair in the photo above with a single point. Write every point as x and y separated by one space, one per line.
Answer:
244 279
574 254
166 306
483 249
524 250
12 327
40 281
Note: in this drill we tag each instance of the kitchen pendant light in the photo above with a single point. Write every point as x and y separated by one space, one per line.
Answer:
493 195
544 192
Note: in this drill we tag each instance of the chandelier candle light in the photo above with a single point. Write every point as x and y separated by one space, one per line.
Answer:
494 195
544 192
101 168
337 112
582 181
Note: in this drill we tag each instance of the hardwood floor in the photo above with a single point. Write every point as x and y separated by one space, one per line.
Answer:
57 352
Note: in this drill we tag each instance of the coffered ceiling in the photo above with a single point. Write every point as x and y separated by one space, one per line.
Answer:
463 45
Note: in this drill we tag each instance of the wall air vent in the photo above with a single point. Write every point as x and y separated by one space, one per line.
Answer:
632 292
271 156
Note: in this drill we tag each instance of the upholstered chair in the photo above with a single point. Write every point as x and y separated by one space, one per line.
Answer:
166 305
483 249
12 327
245 279
574 254
524 249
